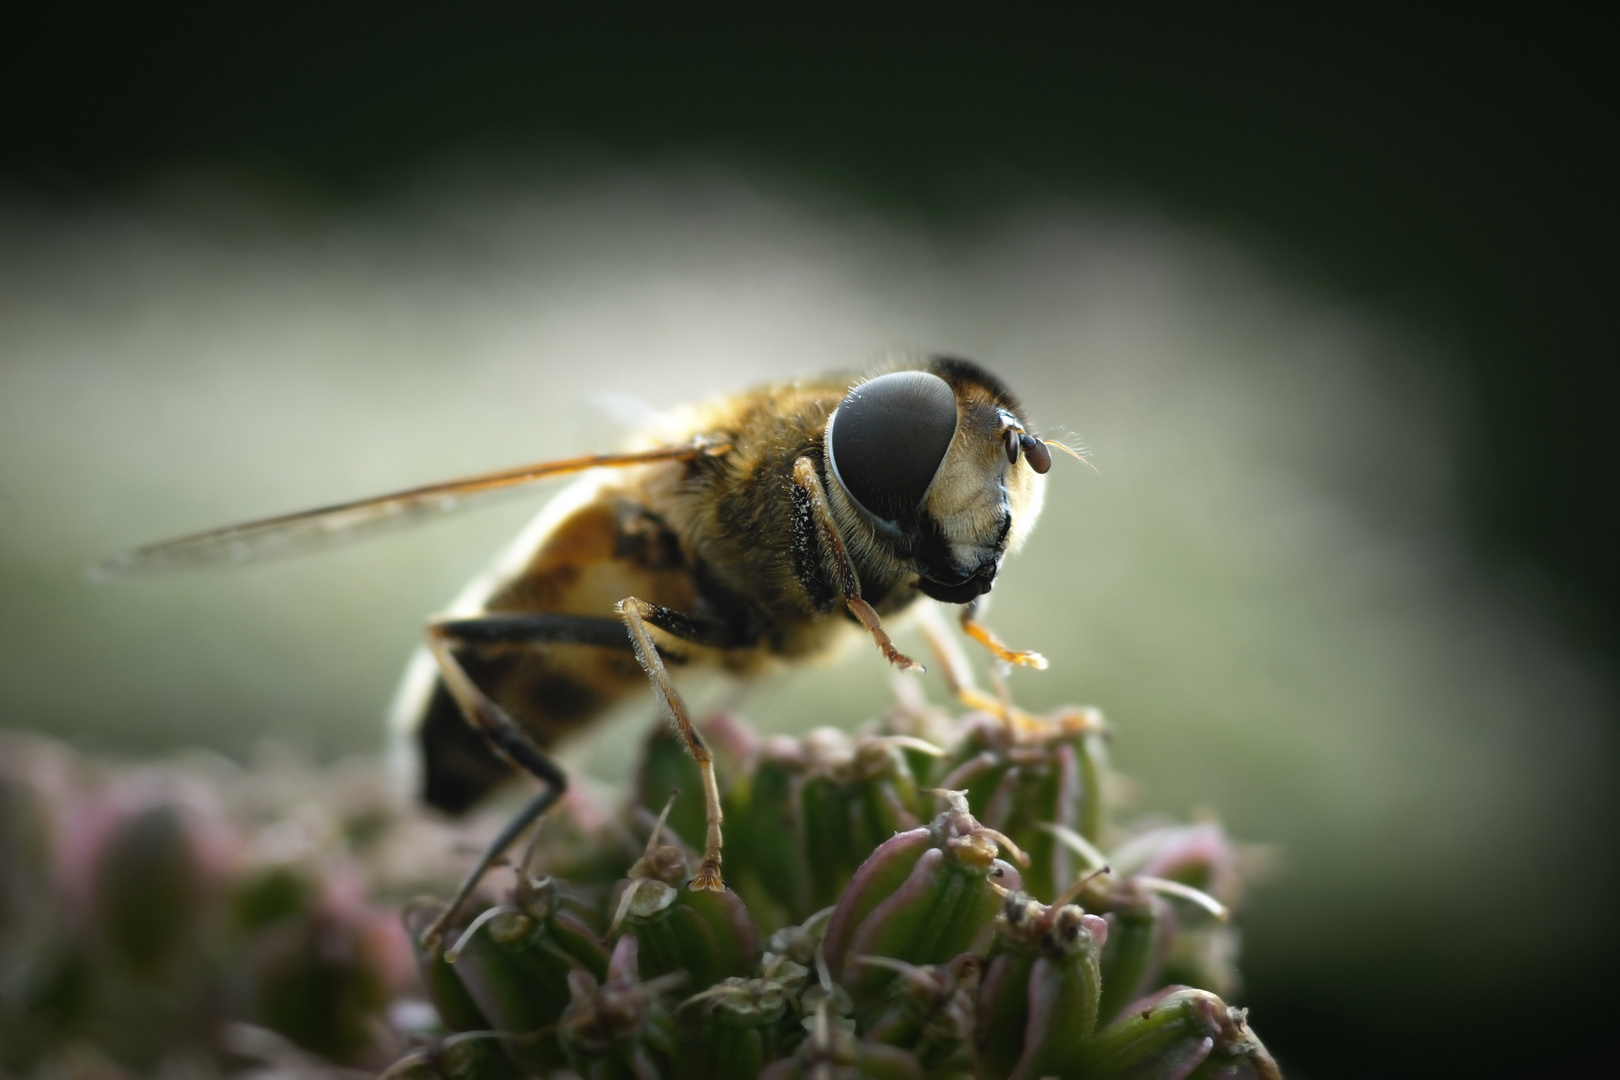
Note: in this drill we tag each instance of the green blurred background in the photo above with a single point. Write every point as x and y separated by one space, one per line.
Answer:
1330 303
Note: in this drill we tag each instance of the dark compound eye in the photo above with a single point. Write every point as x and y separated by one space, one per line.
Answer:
888 438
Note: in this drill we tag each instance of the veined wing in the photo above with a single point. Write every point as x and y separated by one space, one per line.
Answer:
325 526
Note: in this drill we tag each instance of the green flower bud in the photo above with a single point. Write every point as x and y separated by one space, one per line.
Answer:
1020 775
472 1056
1200 856
856 794
154 870
743 1025
454 1004
1197 868
1041 987
708 935
924 896
1195 944
930 1010
515 962
620 1026
814 809
833 1051
265 895
798 944
1141 925
1182 1035
26 828
325 976
44 973
515 977
765 860
1203 955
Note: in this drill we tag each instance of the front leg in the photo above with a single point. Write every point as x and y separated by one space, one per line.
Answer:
843 571
983 635
958 675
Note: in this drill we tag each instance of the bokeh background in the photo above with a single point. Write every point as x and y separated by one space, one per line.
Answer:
1331 306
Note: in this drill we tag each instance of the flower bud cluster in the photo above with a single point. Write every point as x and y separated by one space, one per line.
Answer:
946 899
150 923
878 926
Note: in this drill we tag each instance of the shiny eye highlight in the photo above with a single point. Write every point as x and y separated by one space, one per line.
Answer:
888 438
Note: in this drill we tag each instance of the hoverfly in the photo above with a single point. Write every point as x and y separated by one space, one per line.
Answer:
770 524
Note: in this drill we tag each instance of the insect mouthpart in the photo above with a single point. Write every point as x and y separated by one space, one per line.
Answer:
961 592
940 577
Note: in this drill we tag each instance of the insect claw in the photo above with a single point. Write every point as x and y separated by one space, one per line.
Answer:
708 876
1028 659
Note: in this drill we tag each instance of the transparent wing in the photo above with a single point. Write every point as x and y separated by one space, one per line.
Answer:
325 526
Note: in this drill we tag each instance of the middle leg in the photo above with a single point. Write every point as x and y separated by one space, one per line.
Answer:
638 614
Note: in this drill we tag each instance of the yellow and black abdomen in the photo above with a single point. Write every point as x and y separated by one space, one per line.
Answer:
590 548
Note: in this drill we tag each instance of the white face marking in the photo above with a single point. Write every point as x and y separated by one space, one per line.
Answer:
1026 492
975 494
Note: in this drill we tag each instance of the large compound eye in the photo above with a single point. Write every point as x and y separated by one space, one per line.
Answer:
888 438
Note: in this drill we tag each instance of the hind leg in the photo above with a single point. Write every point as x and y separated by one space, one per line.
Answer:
499 730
